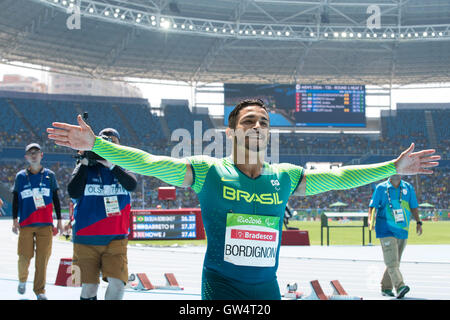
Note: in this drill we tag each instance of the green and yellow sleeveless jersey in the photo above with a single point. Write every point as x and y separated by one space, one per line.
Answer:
243 216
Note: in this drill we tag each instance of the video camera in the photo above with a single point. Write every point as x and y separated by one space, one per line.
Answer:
91 156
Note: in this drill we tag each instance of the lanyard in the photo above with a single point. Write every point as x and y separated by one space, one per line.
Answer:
42 179
99 175
389 197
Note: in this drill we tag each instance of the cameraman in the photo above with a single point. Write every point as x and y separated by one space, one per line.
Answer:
101 192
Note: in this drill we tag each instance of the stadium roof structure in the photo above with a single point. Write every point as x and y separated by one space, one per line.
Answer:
253 41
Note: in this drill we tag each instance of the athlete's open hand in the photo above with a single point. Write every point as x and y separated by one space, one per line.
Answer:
410 162
76 137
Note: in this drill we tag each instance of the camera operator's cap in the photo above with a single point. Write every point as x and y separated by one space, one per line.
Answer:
32 145
110 132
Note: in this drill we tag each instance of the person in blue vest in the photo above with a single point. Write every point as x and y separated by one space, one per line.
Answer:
101 193
394 201
35 195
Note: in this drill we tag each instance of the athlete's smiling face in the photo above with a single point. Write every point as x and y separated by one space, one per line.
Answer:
253 123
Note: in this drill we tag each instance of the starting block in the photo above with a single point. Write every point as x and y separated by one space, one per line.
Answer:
143 282
337 288
316 292
140 281
339 293
172 282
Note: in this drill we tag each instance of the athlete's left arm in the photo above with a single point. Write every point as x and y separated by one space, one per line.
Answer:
348 177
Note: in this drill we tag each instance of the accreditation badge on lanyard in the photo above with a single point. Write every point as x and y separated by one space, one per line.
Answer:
111 202
111 206
398 214
38 198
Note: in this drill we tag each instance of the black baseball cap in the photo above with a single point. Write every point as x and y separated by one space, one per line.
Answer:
110 132
32 145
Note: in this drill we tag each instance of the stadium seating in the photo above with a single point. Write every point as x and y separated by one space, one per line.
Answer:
432 189
10 124
405 127
179 116
26 116
297 143
441 119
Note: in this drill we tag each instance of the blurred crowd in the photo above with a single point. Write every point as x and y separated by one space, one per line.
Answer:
8 171
429 188
350 144
145 195
289 144
432 189
21 138
398 133
17 139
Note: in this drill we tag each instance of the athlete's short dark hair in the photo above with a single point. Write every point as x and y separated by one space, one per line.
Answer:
232 117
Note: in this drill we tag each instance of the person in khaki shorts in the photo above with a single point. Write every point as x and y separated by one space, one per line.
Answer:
394 201
110 259
101 192
35 193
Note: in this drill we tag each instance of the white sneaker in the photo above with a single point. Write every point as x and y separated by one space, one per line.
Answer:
41 296
22 287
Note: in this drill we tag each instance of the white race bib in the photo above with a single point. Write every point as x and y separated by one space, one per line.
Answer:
251 240
112 206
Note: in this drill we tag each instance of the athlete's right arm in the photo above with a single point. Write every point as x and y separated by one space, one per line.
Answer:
177 172
171 170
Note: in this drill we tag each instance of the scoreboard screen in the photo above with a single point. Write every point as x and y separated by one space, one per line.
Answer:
304 104
166 225
330 105
275 96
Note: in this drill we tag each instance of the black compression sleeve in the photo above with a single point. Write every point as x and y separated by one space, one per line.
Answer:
57 204
15 205
76 185
126 178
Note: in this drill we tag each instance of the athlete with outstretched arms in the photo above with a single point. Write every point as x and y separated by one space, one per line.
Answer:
242 198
